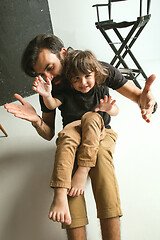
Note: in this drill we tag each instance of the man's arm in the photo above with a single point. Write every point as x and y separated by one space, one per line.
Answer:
143 98
45 126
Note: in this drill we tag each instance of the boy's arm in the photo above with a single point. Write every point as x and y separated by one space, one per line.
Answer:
51 102
44 88
108 105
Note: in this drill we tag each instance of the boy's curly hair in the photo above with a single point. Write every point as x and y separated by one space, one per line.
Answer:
78 61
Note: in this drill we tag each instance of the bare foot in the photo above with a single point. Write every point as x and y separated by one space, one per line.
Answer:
79 180
59 211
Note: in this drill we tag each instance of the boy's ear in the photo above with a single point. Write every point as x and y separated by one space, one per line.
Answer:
63 53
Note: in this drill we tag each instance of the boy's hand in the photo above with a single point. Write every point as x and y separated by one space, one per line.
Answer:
42 87
105 105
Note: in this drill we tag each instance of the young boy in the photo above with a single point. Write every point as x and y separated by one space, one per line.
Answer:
84 77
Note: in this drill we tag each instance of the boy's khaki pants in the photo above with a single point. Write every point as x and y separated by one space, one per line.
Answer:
103 179
86 135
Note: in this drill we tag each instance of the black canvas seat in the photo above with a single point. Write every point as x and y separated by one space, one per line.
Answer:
135 28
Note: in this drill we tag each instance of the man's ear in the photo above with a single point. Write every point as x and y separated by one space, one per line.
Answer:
63 53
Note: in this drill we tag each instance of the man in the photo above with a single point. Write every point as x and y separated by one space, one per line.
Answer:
44 56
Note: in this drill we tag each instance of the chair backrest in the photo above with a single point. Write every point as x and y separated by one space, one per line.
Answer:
112 1
109 6
148 7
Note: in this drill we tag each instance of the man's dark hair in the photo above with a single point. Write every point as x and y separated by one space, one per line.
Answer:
31 52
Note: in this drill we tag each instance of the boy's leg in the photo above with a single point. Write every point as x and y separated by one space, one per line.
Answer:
67 143
93 130
59 210
105 188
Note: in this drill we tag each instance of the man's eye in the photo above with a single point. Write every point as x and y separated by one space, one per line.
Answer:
50 68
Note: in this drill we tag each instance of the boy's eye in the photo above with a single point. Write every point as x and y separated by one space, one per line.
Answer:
75 79
88 75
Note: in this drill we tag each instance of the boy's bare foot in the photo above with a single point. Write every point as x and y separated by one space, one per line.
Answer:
59 211
78 182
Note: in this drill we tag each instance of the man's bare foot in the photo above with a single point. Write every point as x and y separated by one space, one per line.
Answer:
59 211
78 182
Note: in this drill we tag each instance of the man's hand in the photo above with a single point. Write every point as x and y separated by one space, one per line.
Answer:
25 111
146 99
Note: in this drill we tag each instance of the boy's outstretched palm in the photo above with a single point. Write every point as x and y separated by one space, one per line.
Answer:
42 87
106 104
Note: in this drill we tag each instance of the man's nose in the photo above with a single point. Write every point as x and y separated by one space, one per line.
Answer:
49 75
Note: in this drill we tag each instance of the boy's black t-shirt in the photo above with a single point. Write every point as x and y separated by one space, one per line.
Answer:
75 103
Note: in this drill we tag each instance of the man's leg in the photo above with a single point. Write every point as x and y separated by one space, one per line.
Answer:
78 213
110 228
76 233
105 188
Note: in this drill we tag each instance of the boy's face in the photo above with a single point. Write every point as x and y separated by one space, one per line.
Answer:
83 82
48 64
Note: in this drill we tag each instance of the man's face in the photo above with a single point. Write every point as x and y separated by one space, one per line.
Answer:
48 64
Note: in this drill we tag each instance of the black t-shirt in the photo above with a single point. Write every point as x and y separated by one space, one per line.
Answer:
75 103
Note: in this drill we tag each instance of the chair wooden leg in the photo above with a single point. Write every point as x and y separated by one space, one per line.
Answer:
3 130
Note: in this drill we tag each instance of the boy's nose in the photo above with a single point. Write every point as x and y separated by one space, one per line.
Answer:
83 81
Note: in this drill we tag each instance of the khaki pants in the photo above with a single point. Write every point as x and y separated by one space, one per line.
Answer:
99 158
86 132
104 186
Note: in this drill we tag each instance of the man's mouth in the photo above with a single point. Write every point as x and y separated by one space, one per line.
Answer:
56 80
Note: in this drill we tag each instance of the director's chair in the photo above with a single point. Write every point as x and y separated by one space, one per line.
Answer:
2 129
126 43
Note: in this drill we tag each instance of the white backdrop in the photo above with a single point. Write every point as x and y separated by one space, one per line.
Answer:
26 160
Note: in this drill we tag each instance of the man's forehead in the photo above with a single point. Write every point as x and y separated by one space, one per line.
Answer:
45 59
